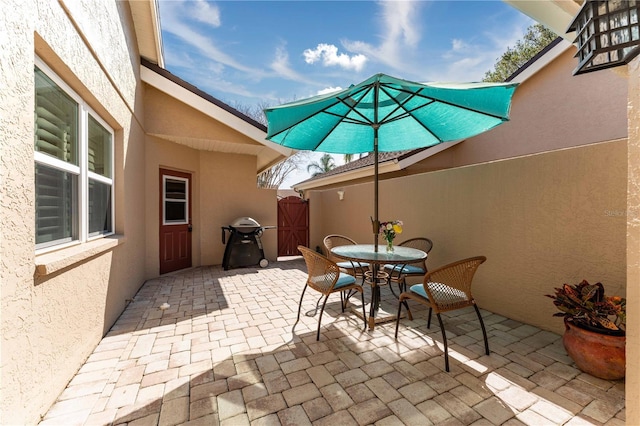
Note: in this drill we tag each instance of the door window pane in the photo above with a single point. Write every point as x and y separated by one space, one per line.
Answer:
175 189
175 211
56 205
99 208
175 200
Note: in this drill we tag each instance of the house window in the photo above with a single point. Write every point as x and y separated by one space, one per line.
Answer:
73 154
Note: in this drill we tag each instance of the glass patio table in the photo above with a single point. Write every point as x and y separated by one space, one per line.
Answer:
365 253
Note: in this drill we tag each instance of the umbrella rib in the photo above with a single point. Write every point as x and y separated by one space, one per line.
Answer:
365 120
435 99
304 119
324 110
432 100
407 112
343 117
399 105
342 120
347 119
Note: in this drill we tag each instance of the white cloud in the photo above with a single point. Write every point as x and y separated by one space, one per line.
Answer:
468 61
177 21
399 21
281 66
328 54
204 12
457 45
329 90
400 33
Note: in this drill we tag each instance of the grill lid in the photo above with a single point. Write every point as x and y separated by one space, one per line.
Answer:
245 222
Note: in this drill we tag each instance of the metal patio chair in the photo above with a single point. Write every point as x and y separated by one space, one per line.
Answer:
357 269
446 289
399 273
325 277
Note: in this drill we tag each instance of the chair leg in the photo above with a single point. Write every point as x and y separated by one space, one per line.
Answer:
429 320
347 296
342 301
402 285
484 331
362 275
401 302
444 339
364 311
320 317
392 291
299 307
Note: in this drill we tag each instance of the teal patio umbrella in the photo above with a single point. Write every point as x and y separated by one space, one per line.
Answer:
384 114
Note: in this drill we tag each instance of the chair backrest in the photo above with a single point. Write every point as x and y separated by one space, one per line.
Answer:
323 273
421 243
449 287
336 240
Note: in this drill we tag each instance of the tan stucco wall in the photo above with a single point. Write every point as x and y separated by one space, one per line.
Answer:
51 324
166 115
541 220
632 379
550 110
224 188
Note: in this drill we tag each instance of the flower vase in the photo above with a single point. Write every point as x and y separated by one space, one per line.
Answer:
389 246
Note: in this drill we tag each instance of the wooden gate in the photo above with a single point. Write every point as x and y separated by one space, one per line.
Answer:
293 225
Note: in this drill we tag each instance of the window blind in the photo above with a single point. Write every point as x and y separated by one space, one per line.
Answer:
74 195
56 118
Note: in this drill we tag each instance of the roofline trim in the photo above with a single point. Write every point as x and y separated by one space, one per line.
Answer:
541 60
426 153
157 32
392 165
362 172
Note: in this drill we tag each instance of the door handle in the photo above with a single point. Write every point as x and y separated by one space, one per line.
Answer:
190 228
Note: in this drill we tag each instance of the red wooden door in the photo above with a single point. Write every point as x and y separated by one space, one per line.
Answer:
293 225
175 220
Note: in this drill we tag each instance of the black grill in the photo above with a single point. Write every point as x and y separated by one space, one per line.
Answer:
244 247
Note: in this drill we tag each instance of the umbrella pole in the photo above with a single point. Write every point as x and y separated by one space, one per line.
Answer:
376 222
375 125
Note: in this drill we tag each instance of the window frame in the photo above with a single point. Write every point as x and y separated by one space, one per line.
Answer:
81 210
186 201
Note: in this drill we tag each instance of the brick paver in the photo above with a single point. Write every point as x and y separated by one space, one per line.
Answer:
225 354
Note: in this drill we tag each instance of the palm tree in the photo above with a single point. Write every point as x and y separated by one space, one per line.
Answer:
349 157
325 164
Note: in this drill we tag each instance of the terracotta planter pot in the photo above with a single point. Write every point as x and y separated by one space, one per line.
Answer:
598 354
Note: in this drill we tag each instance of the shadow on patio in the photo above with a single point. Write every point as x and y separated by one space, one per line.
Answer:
224 353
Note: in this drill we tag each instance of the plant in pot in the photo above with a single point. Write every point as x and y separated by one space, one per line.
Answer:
594 328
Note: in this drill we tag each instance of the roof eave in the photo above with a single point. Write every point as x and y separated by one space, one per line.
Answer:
389 166
553 14
146 21
270 154
363 172
538 63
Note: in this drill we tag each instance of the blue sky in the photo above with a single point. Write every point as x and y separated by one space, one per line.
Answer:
264 53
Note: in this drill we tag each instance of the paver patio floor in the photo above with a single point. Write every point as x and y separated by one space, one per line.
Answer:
224 353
